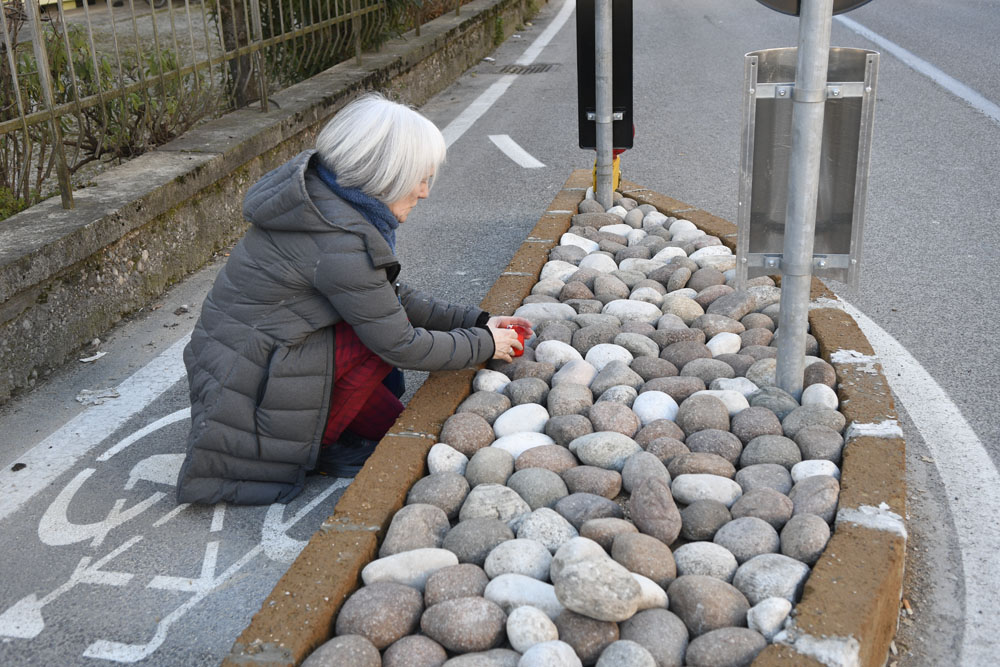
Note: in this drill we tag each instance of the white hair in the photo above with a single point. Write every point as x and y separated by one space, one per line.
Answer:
382 148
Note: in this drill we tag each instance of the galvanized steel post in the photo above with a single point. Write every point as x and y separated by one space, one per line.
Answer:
602 90
809 99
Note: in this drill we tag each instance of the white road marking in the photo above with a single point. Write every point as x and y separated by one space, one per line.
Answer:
512 150
59 452
949 83
457 127
970 479
144 431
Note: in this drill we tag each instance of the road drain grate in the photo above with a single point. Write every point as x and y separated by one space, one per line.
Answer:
527 69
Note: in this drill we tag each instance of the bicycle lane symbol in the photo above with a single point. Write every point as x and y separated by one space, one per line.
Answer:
25 619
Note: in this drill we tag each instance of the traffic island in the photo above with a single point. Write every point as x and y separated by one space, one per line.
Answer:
848 607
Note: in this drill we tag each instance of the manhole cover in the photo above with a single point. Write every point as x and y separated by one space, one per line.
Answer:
527 69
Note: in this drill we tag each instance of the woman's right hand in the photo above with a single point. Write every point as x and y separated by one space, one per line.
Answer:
505 341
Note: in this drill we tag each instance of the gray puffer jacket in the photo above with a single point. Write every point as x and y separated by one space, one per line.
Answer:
260 360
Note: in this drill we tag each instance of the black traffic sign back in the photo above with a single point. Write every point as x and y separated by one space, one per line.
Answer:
621 72
794 6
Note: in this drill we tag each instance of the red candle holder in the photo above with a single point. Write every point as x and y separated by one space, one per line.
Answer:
522 332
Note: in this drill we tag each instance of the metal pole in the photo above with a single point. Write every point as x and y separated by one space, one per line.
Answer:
602 92
356 29
808 100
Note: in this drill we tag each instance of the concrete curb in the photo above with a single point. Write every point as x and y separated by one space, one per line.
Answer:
67 276
847 615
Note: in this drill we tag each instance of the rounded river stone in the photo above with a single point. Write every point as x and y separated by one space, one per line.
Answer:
472 540
490 465
701 519
556 458
653 510
467 432
456 581
706 603
766 504
755 421
725 647
464 624
716 441
594 480
747 537
765 475
578 508
661 633
804 537
381 613
588 636
411 651
701 412
349 650
446 490
415 526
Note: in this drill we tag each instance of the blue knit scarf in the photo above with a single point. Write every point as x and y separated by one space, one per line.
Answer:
374 211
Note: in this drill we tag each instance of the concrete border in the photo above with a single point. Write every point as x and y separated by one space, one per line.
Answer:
847 614
67 276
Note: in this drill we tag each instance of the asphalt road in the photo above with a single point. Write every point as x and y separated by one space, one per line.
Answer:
76 560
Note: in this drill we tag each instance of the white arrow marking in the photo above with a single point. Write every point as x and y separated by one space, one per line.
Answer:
55 529
144 431
187 585
514 151
276 543
159 469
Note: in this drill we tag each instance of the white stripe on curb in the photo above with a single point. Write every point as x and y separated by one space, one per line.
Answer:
970 479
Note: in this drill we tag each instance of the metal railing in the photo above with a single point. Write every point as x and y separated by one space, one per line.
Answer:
90 85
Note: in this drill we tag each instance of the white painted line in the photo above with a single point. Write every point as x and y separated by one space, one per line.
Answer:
512 150
457 127
970 479
59 452
543 40
876 518
949 83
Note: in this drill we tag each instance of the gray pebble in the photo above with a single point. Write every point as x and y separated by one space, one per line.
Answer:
556 458
706 603
725 647
678 388
649 368
759 336
563 429
626 653
685 351
637 344
567 253
765 475
812 415
610 416
763 372
550 654
352 650
604 531
666 449
527 390
595 334
578 508
569 399
487 404
519 556
411 651
708 370
381 613
754 421
820 442
734 305
490 465
548 527
820 372
705 558
747 537
665 337
538 487
740 363
715 324
661 633
640 467
535 369
716 441
697 413
760 352
696 463
415 526
653 510
645 555
702 519
620 394
771 449
764 503
456 581
816 495
467 432
758 320
614 374
585 306
473 540
588 636
446 490
804 537
464 624
771 576
494 501
660 428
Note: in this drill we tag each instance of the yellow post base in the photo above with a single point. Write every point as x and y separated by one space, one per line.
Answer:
616 172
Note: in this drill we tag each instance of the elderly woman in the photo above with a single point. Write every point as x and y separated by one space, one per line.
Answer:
293 364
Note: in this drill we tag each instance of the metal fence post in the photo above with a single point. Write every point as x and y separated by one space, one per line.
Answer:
808 102
258 56
602 89
458 7
45 82
356 27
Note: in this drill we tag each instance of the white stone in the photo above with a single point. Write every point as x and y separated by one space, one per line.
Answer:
536 313
520 419
411 568
445 458
646 294
575 550
620 393
599 588
742 385
685 292
651 595
494 501
619 230
712 250
820 394
705 558
519 556
487 380
598 262
619 211
551 654
720 263
734 400
813 467
590 193
771 576
604 449
575 372
653 219
579 242
669 252
547 526
689 488
550 287
684 237
635 236
556 353
603 354
557 269
682 225
653 405
510 591
724 342
670 321
768 616
527 626
626 309
643 266
518 443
